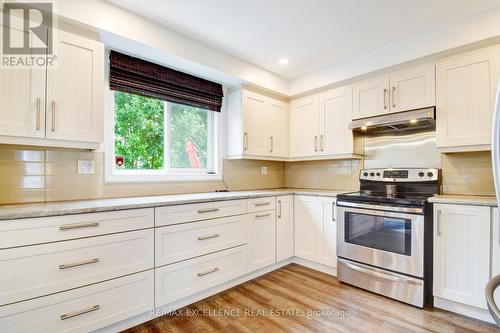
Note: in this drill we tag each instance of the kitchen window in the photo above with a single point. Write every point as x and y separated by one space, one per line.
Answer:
155 140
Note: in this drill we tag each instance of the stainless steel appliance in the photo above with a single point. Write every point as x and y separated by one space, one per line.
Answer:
384 236
397 122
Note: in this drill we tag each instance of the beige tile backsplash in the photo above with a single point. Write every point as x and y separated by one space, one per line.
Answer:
31 174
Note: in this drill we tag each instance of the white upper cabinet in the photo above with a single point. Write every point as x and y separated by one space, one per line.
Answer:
464 101
370 98
277 116
304 126
409 89
461 253
59 106
75 90
335 114
414 88
257 126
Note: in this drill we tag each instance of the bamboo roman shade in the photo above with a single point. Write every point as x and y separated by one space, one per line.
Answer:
137 76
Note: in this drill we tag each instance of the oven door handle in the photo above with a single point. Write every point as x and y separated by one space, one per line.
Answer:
381 207
378 274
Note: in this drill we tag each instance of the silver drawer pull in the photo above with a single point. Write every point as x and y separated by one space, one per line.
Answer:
78 313
208 237
216 269
263 215
78 226
262 204
208 210
80 263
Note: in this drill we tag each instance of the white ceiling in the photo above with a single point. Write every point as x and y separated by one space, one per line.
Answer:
311 33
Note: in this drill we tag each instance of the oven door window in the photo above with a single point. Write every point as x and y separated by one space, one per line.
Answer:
379 232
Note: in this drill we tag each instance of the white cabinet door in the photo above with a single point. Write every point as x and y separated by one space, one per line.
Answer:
371 98
255 124
262 242
413 88
461 253
465 92
75 89
304 126
307 226
328 234
335 114
22 100
284 227
277 112
495 247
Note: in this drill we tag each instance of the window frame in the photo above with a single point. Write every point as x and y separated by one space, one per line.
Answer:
167 174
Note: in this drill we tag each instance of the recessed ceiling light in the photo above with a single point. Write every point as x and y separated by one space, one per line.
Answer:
283 61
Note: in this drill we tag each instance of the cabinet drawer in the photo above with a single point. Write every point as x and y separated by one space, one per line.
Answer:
84 309
185 241
57 228
174 282
260 204
196 212
39 270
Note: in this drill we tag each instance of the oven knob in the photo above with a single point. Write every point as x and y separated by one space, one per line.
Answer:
365 174
430 174
421 174
378 174
372 174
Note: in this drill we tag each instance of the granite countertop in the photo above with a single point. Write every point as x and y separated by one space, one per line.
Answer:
478 200
19 211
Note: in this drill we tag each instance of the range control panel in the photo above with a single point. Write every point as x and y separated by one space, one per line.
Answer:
400 175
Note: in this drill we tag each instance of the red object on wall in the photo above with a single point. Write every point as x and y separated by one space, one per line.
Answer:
119 160
193 157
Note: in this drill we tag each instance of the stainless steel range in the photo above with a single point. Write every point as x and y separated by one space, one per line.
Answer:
384 236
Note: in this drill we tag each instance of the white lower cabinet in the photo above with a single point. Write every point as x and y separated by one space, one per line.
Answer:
495 247
284 227
262 240
462 253
183 279
315 229
83 309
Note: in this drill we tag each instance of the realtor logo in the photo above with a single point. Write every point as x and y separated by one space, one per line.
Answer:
27 30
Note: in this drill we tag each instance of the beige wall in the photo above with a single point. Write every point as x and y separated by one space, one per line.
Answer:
31 174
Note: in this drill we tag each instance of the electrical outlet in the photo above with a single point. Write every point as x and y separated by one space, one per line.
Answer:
85 167
263 170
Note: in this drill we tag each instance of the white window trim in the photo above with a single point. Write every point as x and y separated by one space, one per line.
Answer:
111 175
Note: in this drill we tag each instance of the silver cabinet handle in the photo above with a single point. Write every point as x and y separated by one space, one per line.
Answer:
279 209
208 237
438 223
38 113
393 97
262 204
385 103
245 140
321 143
79 263
333 211
315 143
78 313
53 128
272 143
263 215
202 211
78 226
216 269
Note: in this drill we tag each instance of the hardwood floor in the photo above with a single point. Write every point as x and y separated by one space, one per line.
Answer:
292 299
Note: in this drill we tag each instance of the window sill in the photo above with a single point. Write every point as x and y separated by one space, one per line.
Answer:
162 178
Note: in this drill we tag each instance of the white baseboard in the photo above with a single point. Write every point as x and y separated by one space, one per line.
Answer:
463 309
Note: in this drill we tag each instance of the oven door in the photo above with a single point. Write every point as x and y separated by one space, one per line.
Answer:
373 235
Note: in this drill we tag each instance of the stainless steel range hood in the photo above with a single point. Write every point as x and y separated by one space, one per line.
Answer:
392 122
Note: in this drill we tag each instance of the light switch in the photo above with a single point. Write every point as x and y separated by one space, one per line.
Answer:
263 170
85 167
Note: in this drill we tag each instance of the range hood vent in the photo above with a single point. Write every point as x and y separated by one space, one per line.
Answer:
396 122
